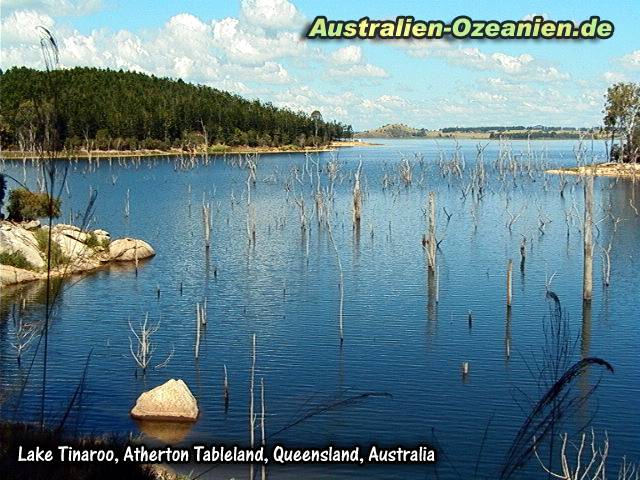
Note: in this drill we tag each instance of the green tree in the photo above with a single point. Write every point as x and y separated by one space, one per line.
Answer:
316 116
98 107
25 205
622 119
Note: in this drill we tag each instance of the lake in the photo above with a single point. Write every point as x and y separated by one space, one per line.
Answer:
399 343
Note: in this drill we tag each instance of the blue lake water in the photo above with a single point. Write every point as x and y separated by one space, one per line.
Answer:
397 339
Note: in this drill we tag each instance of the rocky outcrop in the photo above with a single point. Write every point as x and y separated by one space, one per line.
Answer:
76 250
14 238
171 401
130 249
10 275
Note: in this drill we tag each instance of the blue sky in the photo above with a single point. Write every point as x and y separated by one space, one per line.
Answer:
254 48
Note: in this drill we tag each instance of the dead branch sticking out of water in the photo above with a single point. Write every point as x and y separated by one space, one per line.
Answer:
206 222
340 284
225 389
509 282
431 242
144 349
406 172
558 401
23 333
262 426
357 197
587 282
252 416
592 466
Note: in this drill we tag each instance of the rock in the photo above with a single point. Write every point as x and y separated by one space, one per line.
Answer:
102 235
58 227
70 247
71 231
171 401
124 250
10 275
14 238
32 225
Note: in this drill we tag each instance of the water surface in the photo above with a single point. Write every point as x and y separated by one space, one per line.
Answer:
397 340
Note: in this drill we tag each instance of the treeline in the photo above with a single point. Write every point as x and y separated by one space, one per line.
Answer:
539 134
106 109
517 128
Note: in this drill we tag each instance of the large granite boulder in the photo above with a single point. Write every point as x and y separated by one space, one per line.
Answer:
170 401
70 247
15 238
128 249
10 275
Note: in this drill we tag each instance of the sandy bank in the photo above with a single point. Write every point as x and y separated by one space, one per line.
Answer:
600 170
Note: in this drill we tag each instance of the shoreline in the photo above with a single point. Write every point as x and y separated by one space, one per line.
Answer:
475 136
609 169
333 146
77 251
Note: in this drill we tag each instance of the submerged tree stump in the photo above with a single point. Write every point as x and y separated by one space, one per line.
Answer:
587 275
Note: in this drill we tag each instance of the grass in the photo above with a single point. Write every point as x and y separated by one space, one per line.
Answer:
93 241
57 257
15 259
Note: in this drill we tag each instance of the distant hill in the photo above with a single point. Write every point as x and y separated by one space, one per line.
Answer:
395 130
400 130
128 110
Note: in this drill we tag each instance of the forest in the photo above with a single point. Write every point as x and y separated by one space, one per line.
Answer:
98 109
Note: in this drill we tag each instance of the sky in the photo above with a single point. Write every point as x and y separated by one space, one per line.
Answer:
255 48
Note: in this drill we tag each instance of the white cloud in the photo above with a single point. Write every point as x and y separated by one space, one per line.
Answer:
246 45
271 14
524 66
185 47
488 98
631 60
260 53
348 62
614 77
349 54
21 27
358 71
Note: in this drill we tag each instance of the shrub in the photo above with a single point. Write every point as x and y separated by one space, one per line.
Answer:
92 241
104 243
57 257
15 259
25 205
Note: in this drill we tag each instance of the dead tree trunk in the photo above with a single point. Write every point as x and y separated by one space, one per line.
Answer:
357 197
587 277
509 276
431 240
